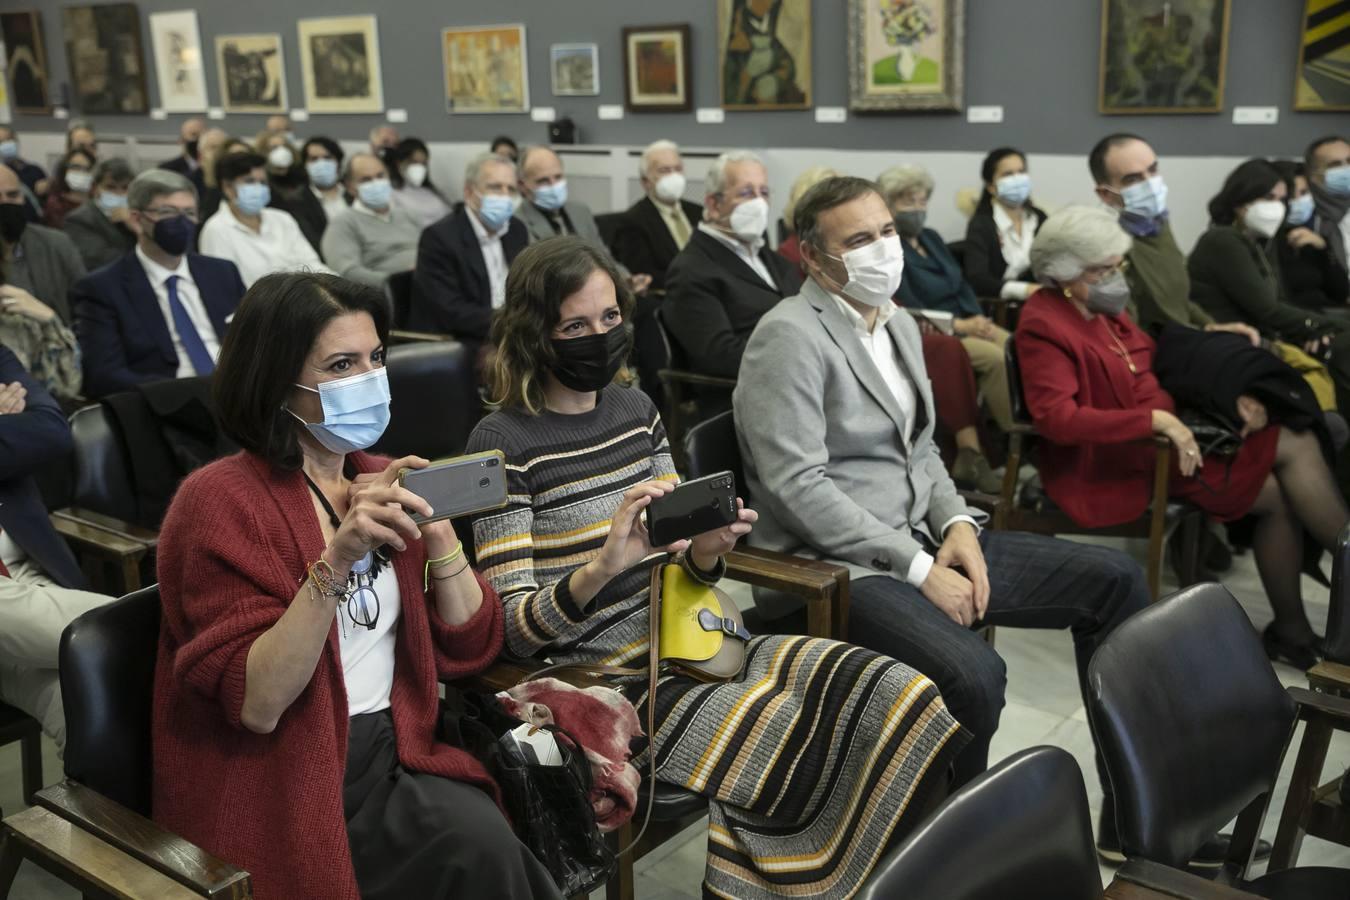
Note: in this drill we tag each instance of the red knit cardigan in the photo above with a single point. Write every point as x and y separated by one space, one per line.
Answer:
232 553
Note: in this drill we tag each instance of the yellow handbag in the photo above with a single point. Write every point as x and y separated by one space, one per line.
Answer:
1313 372
700 632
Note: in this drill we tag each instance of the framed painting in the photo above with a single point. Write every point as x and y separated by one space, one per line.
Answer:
486 69
252 73
6 115
107 66
1323 83
576 70
340 63
656 69
26 66
1162 56
764 53
906 54
177 45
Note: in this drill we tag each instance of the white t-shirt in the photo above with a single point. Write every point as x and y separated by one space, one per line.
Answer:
368 655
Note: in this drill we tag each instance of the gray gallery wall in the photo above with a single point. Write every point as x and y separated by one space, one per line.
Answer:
1037 58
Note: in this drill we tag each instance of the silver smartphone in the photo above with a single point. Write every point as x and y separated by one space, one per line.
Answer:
459 486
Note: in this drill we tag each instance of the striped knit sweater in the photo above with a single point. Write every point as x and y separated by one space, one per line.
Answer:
565 477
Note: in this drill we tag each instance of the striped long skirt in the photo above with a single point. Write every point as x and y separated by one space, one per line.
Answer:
811 760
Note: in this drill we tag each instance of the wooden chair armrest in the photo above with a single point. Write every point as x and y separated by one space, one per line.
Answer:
823 585
1165 881
1330 675
144 841
87 528
1312 704
1022 428
988 503
685 377
403 336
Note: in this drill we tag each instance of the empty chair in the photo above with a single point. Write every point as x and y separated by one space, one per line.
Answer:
435 399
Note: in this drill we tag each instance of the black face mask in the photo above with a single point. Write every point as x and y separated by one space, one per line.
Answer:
13 220
190 148
910 222
174 234
591 362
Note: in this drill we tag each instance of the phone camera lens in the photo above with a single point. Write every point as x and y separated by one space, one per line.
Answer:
484 482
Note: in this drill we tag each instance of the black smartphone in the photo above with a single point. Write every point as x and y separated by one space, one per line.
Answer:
459 486
692 508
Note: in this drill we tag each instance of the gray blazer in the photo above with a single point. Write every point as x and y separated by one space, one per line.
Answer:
820 439
540 228
96 237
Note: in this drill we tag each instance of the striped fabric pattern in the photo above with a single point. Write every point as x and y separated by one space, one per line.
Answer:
811 759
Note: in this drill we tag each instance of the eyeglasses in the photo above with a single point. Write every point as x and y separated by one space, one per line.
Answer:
168 212
1102 271
363 604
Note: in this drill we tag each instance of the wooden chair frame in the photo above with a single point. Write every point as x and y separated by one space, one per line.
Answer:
1312 807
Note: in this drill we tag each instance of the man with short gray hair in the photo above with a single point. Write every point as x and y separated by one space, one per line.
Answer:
655 229
159 311
371 239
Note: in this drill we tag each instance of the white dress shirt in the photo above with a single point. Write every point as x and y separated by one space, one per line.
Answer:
191 300
672 214
1345 233
494 257
278 246
749 255
1016 247
881 349
331 205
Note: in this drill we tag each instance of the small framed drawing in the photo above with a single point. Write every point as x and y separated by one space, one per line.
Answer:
252 73
340 62
576 71
486 70
656 69
177 44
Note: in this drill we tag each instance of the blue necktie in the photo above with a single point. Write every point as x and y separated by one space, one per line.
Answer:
193 345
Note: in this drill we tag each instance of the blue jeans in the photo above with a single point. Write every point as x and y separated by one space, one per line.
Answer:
1035 582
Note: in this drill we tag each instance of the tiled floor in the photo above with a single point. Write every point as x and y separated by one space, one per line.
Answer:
1043 708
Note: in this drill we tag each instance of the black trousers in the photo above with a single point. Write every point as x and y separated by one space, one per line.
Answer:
419 835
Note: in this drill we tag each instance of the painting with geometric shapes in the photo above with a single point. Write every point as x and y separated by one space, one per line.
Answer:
1324 58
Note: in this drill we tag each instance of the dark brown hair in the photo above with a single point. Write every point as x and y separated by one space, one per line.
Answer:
272 332
824 197
541 278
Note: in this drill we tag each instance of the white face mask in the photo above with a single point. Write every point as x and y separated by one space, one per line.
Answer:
79 181
874 271
749 220
415 174
669 187
1264 217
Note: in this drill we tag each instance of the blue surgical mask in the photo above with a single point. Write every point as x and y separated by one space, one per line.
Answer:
1300 210
110 202
551 196
1014 189
323 172
252 198
1146 199
9 150
355 411
1338 181
375 194
495 211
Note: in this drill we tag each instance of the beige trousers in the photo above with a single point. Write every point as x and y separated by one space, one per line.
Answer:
991 373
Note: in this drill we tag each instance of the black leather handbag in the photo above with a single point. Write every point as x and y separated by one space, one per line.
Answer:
1214 435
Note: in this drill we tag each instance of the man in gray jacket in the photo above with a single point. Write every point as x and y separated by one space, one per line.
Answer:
835 415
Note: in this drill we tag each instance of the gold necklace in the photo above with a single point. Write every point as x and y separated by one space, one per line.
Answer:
1120 347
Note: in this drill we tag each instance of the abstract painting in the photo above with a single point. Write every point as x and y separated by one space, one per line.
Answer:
177 46
107 68
656 68
26 65
252 73
576 72
764 51
1162 56
485 70
340 61
1324 58
906 54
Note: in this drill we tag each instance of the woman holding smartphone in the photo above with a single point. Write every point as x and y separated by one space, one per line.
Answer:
306 622
819 752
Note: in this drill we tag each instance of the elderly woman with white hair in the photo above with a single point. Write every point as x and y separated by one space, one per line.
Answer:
934 281
1088 380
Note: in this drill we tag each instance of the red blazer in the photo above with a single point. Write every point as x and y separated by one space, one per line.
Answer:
1095 415
232 552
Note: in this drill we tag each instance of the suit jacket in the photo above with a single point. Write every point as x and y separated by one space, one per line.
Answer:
714 300
820 440
304 207
451 293
578 214
99 239
122 332
28 440
180 165
643 243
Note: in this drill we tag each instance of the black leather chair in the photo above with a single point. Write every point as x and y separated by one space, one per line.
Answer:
1020 831
608 225
435 401
1022 512
17 726
1192 725
398 290
676 381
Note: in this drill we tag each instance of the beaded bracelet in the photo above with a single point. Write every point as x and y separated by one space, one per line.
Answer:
441 562
323 581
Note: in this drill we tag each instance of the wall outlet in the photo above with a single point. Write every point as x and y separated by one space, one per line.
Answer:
1256 115
710 115
984 115
831 115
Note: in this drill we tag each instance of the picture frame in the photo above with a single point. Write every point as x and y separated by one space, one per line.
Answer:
764 54
107 62
575 69
906 55
251 69
340 64
1162 56
6 113
656 67
25 62
177 44
486 69
1323 59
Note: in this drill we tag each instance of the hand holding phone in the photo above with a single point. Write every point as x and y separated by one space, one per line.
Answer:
694 507
459 486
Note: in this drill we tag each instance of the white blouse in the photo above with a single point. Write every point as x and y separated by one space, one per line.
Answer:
368 655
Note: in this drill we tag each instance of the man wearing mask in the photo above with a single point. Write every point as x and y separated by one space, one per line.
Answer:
208 148
1328 164
80 136
373 238
37 261
657 227
159 311
725 278
257 239
462 260
835 417
383 138
99 228
323 162
189 135
32 177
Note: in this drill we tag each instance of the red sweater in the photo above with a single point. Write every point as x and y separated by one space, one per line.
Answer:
232 552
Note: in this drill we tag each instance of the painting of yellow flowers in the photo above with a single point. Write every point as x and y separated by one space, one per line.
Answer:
906 54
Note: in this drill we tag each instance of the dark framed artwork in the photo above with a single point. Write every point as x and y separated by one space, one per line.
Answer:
1323 83
340 63
107 65
1163 56
26 56
906 54
252 73
656 65
764 53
